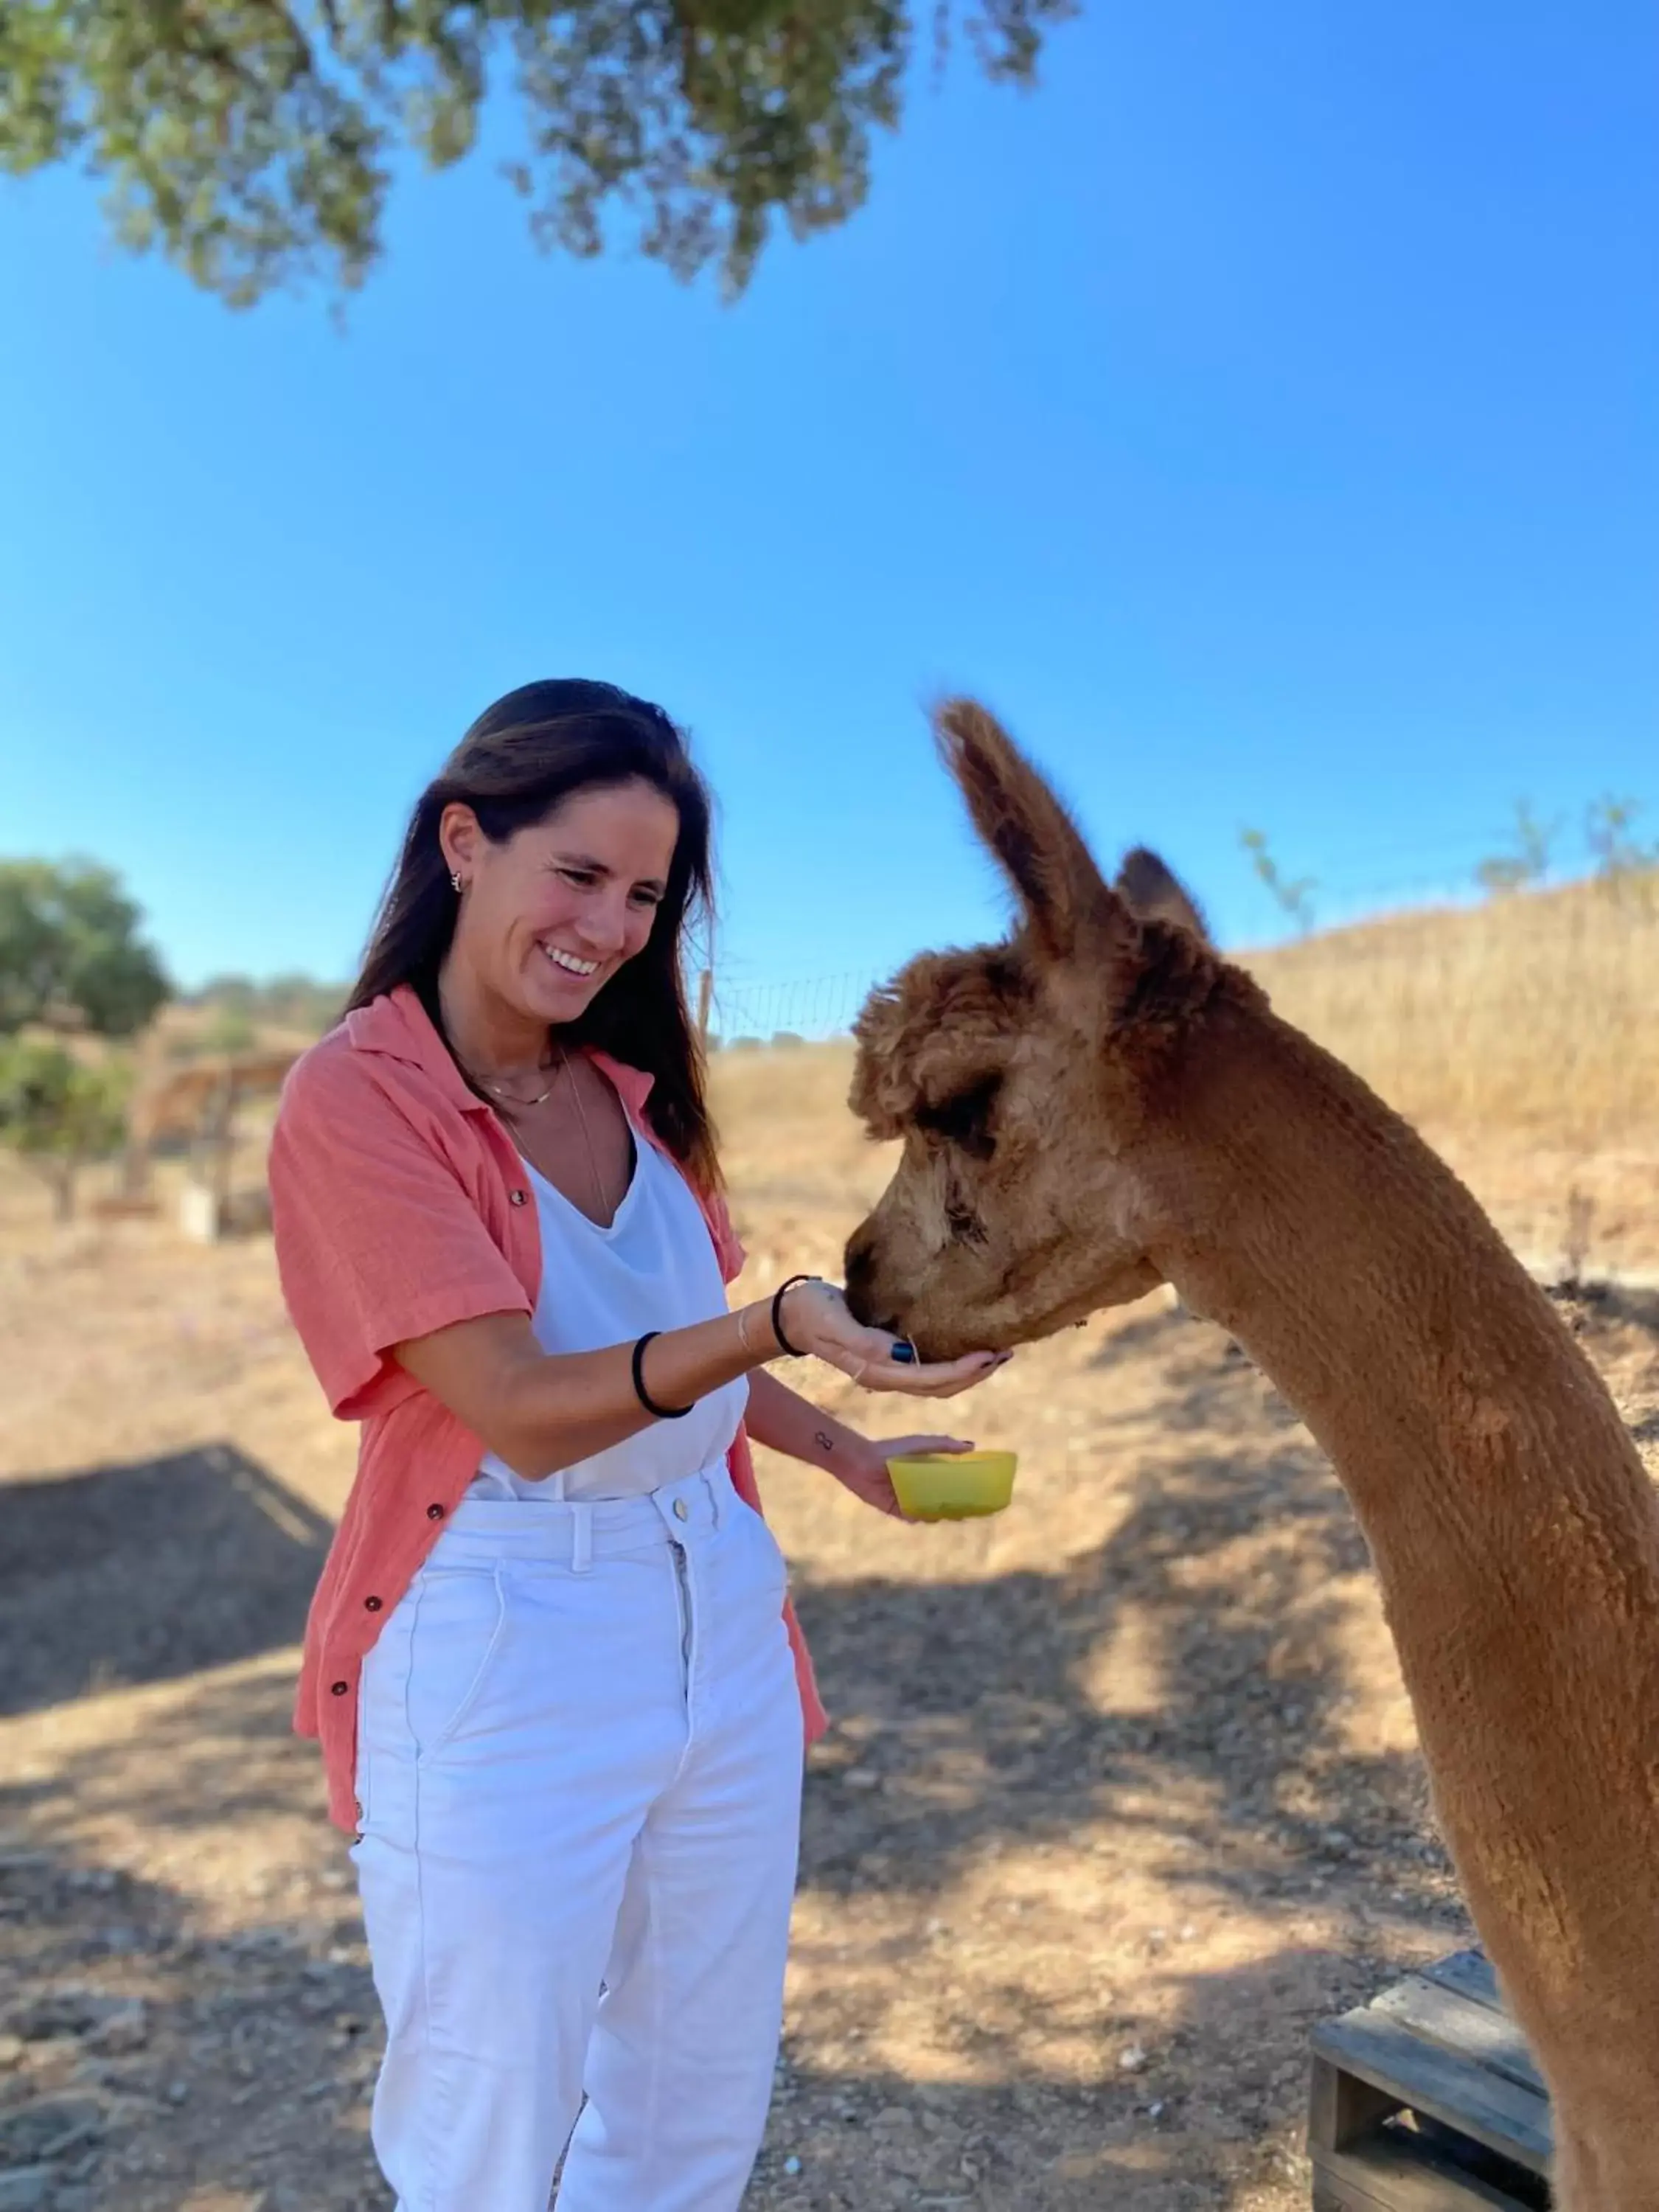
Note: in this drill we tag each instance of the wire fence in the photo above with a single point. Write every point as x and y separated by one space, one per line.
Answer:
1537 1010
804 1009
1580 918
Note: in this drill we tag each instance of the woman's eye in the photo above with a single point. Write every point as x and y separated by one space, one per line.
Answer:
581 877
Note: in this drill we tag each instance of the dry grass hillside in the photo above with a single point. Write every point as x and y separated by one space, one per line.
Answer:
1521 1036
1121 1792
1533 1014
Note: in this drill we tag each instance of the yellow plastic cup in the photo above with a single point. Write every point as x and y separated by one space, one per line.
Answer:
953 1486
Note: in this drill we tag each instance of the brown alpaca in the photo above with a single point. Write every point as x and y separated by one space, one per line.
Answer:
1102 1104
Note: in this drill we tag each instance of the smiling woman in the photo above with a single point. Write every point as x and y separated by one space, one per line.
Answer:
559 1686
503 850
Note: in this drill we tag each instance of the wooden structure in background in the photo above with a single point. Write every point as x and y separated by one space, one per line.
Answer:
1427 2099
198 1103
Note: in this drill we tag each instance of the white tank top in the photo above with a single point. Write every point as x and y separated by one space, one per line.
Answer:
653 1267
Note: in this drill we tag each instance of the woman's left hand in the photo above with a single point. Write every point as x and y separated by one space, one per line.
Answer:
867 1475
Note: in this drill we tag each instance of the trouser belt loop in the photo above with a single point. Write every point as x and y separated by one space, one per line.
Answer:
581 1538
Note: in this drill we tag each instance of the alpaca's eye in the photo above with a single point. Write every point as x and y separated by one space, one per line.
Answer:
965 1119
963 1224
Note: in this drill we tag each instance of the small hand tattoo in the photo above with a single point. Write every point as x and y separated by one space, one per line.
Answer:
824 1441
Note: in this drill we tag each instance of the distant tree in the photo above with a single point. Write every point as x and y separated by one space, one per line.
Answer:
59 1114
1528 864
70 954
291 1001
300 1002
254 141
231 994
1295 898
1607 833
240 1006
229 1030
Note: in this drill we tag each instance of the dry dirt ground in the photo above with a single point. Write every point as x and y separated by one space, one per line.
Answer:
1121 1797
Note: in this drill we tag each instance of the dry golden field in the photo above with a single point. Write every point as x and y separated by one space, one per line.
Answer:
1121 1792
1532 1014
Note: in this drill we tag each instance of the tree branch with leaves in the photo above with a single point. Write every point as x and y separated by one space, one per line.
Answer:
252 141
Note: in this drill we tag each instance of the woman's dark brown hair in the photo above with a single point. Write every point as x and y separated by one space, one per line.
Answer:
522 758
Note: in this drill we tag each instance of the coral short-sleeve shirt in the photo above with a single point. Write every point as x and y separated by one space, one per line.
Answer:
399 1206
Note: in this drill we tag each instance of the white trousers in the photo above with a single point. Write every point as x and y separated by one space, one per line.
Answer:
580 1774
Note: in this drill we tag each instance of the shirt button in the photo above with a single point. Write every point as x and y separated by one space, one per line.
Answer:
339 1689
519 1197
682 1510
434 1512
371 1605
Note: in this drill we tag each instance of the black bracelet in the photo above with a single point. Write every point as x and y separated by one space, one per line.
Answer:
793 1350
657 1412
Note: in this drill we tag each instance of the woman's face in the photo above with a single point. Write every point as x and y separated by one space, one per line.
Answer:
548 916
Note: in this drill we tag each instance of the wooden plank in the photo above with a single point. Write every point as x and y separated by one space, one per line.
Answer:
1341 2108
1391 2172
1467 1974
1473 2031
1507 2119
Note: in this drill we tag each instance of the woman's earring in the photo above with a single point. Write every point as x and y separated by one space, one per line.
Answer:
455 878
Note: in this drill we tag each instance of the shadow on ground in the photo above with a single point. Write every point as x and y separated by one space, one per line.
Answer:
168 2062
151 2059
144 1573
988 1709
163 2066
977 1716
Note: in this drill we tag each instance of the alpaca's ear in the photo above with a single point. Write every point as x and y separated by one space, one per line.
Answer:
1154 892
1066 901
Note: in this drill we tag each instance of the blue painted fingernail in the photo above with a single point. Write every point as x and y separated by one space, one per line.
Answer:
905 1352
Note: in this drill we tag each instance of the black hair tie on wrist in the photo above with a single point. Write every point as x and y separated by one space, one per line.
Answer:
657 1412
778 1297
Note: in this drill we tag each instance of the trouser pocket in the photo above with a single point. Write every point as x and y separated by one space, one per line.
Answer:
458 1627
764 1560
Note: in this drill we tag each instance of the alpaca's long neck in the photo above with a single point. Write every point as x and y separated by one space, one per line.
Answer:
1515 1533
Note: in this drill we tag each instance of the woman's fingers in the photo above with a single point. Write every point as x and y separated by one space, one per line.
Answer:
941 1379
874 1357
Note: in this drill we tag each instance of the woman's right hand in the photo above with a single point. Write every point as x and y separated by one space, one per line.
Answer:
818 1320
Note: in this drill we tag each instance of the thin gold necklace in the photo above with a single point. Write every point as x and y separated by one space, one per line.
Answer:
524 1105
498 1090
582 1115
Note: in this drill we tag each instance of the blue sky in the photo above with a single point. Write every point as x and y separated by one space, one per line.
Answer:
1264 415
